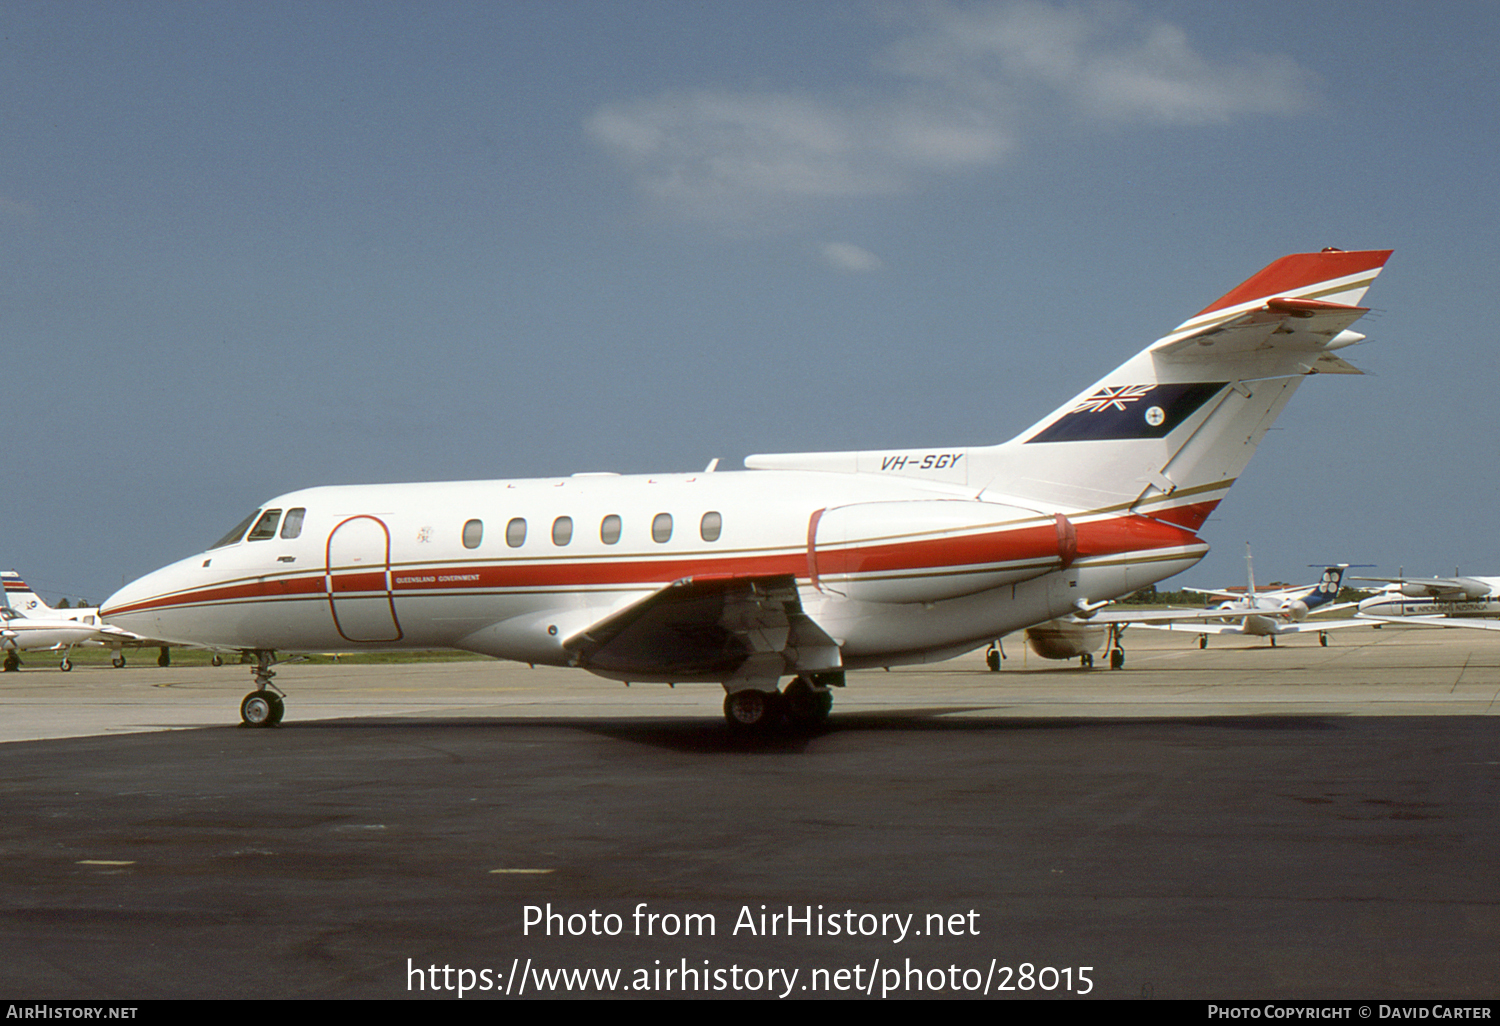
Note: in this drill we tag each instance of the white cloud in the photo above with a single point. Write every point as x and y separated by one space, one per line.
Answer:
846 256
950 97
736 157
1106 60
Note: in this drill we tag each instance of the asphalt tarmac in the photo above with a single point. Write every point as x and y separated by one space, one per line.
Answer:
1241 822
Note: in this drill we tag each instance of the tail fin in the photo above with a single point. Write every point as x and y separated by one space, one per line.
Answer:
20 597
1328 588
1167 432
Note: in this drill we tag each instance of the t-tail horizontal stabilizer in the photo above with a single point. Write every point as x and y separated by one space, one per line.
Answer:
1167 432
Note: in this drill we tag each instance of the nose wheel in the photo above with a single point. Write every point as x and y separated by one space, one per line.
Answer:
263 707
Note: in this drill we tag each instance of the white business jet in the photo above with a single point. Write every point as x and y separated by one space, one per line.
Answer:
804 565
1472 602
1266 614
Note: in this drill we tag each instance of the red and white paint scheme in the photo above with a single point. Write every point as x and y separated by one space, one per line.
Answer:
802 565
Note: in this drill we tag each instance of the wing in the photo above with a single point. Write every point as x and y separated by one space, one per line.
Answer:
1472 623
1318 626
1302 627
1127 617
1227 596
708 629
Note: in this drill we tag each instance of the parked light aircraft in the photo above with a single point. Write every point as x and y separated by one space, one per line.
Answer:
1267 614
20 597
1436 601
20 633
803 565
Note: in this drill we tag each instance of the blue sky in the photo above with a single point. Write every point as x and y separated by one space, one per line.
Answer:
249 247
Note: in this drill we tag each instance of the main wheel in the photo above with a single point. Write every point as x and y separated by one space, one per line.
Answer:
12 662
65 665
262 709
752 711
992 659
1117 659
806 705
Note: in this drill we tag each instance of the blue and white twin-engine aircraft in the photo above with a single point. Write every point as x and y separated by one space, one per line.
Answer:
803 565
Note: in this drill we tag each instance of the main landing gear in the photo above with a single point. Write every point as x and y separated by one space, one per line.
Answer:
1116 659
263 707
1114 645
803 704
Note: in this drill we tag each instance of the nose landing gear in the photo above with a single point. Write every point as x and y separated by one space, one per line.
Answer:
263 707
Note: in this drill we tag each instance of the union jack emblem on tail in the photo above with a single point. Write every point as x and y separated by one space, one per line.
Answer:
1129 411
1112 397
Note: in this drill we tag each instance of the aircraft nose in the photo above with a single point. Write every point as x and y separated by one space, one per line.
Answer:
136 607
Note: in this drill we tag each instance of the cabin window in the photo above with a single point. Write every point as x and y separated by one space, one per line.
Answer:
609 529
291 527
473 533
661 528
515 532
238 532
265 527
710 527
562 530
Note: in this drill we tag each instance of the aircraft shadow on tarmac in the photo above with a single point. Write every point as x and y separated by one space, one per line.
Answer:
709 736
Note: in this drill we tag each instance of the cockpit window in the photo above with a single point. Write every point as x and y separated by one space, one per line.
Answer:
265 527
291 527
237 533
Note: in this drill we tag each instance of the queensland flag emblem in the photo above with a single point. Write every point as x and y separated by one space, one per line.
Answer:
1129 411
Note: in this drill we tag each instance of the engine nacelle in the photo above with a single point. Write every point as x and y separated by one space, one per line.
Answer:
1058 639
927 550
1458 589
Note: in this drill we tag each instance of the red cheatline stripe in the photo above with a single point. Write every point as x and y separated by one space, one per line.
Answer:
1115 535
